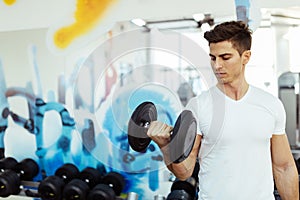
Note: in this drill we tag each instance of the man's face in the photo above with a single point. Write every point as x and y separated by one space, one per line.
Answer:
227 64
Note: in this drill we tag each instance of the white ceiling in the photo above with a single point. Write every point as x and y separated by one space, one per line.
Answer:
31 14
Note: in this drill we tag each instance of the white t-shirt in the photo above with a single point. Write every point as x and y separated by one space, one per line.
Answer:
235 154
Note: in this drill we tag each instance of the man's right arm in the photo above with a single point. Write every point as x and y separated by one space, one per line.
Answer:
185 169
160 133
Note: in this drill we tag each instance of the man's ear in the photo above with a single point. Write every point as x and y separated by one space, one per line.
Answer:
246 56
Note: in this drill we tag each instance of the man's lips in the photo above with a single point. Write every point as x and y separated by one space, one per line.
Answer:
220 74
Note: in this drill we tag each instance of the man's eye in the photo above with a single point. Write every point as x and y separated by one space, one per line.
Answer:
212 58
226 58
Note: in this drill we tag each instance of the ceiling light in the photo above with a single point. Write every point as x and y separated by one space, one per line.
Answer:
138 22
198 17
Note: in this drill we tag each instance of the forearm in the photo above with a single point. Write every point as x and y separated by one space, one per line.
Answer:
184 169
160 133
287 182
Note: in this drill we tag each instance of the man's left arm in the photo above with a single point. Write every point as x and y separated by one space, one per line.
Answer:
284 168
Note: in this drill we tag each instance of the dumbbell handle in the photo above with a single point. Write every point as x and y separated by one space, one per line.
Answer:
132 196
145 124
27 187
159 197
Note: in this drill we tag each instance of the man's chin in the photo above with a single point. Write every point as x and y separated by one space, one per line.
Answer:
221 80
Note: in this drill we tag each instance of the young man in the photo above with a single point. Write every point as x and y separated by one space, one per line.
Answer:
241 129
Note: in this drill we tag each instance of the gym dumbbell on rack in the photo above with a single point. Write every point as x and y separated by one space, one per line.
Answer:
81 185
109 187
182 137
91 184
51 188
185 190
67 183
15 174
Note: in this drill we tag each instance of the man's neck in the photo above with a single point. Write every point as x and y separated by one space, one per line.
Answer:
234 91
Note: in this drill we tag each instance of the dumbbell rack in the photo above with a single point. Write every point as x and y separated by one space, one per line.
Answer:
17 179
27 186
31 187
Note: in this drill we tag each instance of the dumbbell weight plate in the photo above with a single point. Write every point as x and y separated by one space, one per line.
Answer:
188 186
298 165
115 180
8 163
67 172
27 168
51 188
138 124
9 183
76 189
179 195
103 192
183 137
91 176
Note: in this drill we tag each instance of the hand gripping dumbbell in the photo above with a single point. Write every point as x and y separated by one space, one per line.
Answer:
51 187
182 137
13 174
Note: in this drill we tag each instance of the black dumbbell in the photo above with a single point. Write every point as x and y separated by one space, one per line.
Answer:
13 172
52 186
79 188
115 180
179 195
182 138
112 185
297 161
8 177
7 163
183 189
76 189
103 192
67 172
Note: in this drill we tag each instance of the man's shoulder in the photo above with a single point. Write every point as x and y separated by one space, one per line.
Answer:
261 92
264 97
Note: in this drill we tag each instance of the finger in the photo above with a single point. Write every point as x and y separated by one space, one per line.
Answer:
165 131
158 129
154 128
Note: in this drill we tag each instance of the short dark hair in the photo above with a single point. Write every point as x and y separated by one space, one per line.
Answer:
236 32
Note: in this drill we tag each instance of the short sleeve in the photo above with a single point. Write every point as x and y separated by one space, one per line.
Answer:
280 119
193 106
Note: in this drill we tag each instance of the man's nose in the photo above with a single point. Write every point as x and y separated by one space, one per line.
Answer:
217 64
